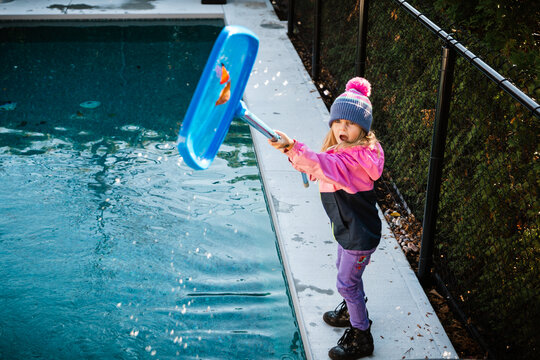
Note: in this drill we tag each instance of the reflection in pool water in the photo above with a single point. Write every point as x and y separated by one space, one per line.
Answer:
110 246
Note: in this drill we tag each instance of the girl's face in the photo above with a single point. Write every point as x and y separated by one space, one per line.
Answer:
345 130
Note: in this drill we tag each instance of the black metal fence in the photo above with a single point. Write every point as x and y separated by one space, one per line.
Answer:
462 147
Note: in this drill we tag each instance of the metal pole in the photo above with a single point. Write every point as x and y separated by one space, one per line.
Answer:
290 18
362 38
316 41
243 113
436 163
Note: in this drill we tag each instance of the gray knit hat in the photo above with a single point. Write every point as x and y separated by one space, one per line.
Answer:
353 104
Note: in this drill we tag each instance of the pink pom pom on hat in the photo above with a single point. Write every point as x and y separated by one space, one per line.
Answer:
354 104
359 84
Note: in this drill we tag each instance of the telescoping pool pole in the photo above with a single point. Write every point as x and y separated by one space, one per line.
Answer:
259 125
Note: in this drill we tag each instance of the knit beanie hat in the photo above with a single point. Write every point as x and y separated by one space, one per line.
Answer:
353 104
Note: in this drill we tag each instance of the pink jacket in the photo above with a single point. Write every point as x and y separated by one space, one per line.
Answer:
346 181
352 169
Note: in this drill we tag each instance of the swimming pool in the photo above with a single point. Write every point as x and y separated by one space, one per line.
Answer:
110 246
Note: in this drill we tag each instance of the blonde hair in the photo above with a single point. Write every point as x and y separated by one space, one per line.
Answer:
363 139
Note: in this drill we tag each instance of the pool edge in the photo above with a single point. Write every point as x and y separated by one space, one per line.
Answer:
290 281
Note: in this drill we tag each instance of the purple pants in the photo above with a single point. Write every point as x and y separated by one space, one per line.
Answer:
351 265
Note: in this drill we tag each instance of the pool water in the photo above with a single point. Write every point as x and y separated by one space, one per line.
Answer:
110 247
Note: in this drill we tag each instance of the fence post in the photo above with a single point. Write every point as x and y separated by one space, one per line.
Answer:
290 18
438 141
362 38
316 41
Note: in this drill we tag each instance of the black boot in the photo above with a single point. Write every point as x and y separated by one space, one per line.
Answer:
339 317
354 344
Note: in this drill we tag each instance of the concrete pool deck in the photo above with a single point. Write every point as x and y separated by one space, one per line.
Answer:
281 92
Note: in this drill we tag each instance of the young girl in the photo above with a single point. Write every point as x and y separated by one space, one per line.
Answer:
350 161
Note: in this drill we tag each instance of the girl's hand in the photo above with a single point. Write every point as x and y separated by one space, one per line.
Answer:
284 144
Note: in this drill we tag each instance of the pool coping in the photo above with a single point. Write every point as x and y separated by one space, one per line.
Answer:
281 92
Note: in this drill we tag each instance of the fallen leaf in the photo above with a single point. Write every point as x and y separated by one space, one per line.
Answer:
434 292
225 94
412 246
224 75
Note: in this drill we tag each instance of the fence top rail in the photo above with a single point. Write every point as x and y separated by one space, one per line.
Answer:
487 70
